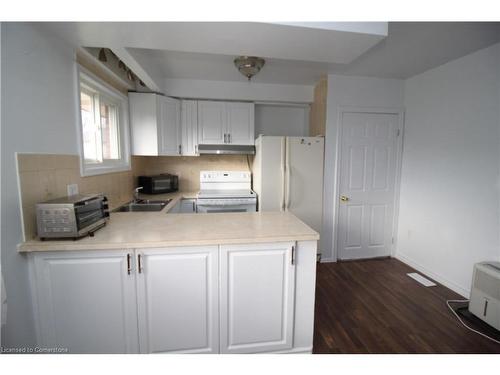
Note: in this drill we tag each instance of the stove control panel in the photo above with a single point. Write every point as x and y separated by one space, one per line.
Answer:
225 176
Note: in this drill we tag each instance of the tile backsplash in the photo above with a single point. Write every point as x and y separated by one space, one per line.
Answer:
188 167
46 176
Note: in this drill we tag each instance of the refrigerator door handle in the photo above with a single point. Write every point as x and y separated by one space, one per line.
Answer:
283 180
287 170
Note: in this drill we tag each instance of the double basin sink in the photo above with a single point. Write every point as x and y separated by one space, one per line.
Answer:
142 205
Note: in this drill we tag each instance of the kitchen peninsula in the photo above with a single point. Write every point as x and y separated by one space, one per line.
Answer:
153 282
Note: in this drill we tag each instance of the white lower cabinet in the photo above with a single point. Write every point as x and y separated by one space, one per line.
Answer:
197 299
86 301
256 297
178 300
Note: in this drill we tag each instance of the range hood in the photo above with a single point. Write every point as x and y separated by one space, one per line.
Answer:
227 149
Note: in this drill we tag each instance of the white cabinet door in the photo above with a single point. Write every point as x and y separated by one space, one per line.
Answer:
86 301
211 122
256 297
143 123
188 206
189 126
178 301
169 126
240 123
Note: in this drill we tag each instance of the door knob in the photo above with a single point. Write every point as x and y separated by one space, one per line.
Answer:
343 198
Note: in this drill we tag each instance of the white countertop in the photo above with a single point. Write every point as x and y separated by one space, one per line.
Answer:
133 230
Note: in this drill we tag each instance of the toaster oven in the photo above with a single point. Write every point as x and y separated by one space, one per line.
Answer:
71 217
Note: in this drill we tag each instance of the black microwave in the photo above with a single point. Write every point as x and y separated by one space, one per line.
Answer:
159 184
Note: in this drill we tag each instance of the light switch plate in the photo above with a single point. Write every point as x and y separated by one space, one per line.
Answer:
72 189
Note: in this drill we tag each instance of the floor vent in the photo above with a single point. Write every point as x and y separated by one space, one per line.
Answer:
422 280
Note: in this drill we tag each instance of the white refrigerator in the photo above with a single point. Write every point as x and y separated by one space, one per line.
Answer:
288 176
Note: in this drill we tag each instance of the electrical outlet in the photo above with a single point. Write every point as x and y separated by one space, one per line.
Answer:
72 189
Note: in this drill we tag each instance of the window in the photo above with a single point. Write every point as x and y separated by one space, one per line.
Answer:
104 128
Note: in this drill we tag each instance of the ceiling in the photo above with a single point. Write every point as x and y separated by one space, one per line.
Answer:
326 42
189 65
295 53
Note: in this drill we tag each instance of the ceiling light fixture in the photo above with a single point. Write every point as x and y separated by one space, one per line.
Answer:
249 65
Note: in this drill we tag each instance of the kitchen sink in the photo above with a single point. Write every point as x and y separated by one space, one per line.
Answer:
143 205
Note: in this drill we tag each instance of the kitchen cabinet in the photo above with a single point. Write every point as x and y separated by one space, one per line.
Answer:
225 122
184 206
211 122
189 127
155 122
177 292
257 297
238 298
86 301
188 206
240 123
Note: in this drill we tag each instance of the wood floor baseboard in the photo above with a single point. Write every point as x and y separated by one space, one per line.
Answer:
447 283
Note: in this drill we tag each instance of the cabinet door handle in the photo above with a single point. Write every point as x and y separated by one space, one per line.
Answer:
180 149
229 138
129 264
293 255
225 138
139 262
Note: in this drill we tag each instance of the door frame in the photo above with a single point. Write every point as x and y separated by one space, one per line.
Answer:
397 179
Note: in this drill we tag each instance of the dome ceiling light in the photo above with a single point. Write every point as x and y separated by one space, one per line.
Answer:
249 65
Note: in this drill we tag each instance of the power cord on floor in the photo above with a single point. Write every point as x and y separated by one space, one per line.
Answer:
465 325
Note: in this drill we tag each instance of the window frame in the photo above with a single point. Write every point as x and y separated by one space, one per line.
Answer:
88 81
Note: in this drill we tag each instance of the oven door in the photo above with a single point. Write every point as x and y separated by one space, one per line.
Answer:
225 205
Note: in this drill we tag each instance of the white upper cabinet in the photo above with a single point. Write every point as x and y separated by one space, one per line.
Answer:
257 286
86 301
240 123
178 300
225 123
155 123
161 125
189 127
170 125
211 122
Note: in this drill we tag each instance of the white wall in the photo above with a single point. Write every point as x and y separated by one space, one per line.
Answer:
348 91
204 89
291 121
38 115
449 207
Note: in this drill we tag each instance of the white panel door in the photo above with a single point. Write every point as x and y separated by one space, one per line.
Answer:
189 127
367 178
256 297
86 301
178 300
304 179
169 126
211 122
240 123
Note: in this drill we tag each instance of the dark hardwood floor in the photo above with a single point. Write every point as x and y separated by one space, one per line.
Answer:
372 306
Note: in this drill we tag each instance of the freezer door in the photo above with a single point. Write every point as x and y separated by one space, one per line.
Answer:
271 150
304 179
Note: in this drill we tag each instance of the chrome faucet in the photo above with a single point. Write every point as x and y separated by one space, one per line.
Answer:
136 192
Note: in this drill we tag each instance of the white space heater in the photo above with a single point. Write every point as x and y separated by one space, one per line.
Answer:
485 293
